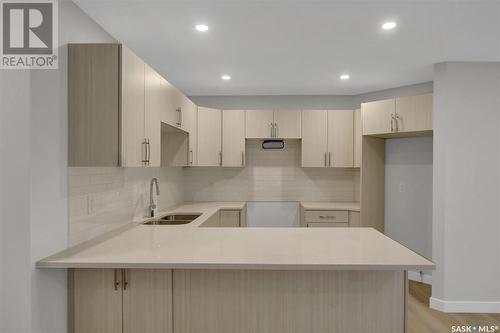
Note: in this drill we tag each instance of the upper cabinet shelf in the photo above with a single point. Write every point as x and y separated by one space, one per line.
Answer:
402 116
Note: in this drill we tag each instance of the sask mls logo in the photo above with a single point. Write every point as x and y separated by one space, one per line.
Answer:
29 34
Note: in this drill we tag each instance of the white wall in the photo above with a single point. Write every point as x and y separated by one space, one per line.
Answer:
408 192
34 211
466 198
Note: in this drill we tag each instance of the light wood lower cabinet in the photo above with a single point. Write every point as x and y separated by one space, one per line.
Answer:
120 300
229 301
267 301
226 218
329 218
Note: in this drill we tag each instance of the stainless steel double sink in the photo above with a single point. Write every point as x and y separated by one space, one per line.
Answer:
173 219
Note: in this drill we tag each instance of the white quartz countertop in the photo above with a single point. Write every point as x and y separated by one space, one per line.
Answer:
190 247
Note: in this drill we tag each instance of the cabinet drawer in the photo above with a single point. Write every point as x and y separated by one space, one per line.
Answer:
333 216
327 225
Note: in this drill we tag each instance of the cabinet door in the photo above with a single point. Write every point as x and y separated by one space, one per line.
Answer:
147 300
288 124
190 115
132 110
314 138
95 301
230 218
414 113
171 114
93 104
357 138
259 124
153 106
376 117
233 138
209 137
340 138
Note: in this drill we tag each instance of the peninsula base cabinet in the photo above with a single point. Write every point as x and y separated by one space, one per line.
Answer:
243 301
120 300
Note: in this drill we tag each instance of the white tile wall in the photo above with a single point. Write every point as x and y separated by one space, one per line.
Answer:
271 176
102 199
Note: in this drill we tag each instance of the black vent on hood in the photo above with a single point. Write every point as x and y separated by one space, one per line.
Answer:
273 144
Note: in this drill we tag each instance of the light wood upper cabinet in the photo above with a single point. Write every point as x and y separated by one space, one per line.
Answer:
93 104
397 117
190 115
209 137
147 300
340 138
414 113
259 124
233 138
152 115
358 136
282 124
172 113
132 113
377 117
287 124
314 138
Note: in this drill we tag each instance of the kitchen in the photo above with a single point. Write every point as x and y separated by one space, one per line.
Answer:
312 211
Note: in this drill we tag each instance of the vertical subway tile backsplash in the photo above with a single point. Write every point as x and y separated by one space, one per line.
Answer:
103 199
271 176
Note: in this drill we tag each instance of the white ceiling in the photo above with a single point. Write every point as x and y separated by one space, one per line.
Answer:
300 47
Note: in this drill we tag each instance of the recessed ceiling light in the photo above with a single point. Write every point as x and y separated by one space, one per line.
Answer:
225 77
201 27
345 77
389 25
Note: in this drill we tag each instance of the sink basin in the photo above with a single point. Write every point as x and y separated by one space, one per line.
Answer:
173 219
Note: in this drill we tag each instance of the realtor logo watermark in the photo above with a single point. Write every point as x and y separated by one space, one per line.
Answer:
29 34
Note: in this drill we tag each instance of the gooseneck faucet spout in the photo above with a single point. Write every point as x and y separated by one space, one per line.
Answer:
152 205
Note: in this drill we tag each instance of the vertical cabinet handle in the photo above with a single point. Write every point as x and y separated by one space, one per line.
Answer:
397 123
144 151
191 157
275 130
220 158
325 160
116 283
179 123
124 279
149 152
330 159
392 122
242 158
271 126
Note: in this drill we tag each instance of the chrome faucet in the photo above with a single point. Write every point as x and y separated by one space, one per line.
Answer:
152 205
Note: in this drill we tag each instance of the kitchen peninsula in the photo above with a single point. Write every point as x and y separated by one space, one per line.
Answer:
189 278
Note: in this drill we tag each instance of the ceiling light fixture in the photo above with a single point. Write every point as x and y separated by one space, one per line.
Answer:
201 27
225 77
389 25
345 77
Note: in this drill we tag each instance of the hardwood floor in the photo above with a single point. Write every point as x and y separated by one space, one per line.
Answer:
422 319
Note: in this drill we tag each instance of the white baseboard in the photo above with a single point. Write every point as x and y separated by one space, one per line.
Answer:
464 307
416 276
